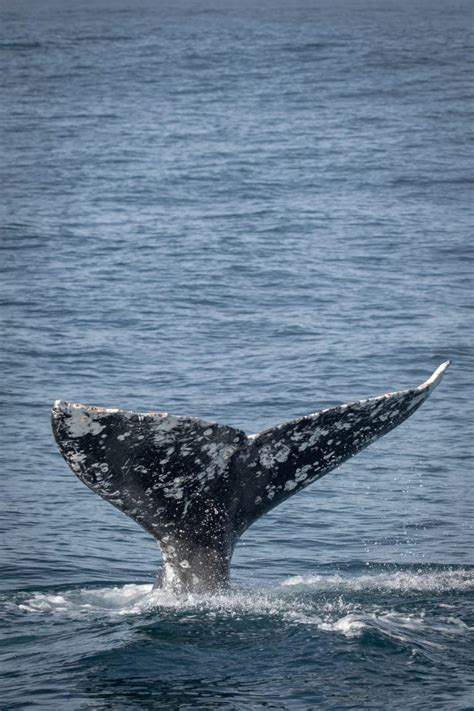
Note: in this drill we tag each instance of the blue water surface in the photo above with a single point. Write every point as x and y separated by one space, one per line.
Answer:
243 212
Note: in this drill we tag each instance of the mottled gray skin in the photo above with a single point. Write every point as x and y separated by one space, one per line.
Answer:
197 486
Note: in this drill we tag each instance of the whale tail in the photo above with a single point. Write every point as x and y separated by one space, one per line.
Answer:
196 486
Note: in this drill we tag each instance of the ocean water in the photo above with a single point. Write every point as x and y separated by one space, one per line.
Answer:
243 212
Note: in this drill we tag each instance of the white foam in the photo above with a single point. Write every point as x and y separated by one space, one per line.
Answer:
403 581
136 599
349 626
397 626
139 599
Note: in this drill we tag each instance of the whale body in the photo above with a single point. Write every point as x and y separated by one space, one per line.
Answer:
196 486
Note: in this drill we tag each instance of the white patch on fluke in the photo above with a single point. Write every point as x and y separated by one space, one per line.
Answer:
81 423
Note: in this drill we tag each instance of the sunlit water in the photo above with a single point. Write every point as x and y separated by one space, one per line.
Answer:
243 212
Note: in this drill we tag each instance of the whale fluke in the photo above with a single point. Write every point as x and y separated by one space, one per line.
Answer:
196 486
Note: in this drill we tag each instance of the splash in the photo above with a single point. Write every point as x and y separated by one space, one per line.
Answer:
135 599
398 581
324 602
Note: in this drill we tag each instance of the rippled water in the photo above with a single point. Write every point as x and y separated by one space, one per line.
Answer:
244 214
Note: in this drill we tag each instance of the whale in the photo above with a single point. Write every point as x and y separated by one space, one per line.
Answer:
196 486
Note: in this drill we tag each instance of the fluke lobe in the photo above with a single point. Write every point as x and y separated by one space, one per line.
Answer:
197 486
